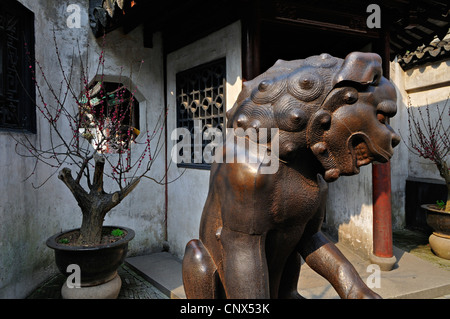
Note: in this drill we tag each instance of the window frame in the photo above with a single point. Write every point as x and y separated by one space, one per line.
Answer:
25 93
109 92
222 63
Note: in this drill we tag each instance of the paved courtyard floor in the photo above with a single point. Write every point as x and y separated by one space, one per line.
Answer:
136 286
416 243
133 287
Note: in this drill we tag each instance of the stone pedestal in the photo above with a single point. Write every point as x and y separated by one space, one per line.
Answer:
107 290
385 263
440 245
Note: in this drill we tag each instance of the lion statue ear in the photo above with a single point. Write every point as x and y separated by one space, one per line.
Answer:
360 67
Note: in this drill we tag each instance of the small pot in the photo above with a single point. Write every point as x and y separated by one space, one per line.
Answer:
98 264
439 221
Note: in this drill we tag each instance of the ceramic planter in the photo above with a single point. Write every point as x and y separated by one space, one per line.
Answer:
98 264
439 221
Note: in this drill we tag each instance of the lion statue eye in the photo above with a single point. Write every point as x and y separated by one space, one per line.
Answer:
381 118
388 108
351 96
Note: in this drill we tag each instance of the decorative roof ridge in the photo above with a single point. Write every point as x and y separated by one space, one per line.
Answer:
106 15
436 50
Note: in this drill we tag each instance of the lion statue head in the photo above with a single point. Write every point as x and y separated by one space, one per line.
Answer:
336 108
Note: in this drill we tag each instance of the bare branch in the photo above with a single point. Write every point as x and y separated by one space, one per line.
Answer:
97 184
82 197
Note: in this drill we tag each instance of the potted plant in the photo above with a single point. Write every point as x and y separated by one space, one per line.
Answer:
430 139
93 131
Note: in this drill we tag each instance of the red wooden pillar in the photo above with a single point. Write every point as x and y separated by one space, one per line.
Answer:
381 188
382 219
382 237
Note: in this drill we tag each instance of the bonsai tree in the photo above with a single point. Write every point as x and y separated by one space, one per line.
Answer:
94 132
429 138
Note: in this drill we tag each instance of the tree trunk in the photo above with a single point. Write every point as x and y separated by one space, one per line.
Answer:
95 204
91 227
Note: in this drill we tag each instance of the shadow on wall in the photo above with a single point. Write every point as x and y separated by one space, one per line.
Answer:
424 184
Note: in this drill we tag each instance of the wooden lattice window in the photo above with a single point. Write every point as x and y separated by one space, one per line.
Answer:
17 92
201 104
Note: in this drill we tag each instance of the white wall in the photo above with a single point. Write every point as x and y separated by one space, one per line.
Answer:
187 195
416 88
399 162
427 85
29 216
349 211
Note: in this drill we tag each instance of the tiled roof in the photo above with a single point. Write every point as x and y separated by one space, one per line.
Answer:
106 15
412 23
436 50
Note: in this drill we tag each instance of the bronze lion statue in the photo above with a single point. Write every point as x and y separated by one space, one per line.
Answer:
332 117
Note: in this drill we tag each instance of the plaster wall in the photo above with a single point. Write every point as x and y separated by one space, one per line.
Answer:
399 161
29 216
427 85
420 86
349 211
188 193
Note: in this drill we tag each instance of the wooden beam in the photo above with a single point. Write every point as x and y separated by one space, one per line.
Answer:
251 40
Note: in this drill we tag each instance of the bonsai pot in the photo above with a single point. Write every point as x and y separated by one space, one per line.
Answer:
439 221
98 264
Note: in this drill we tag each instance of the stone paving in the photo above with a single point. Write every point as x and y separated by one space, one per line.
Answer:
416 243
133 287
